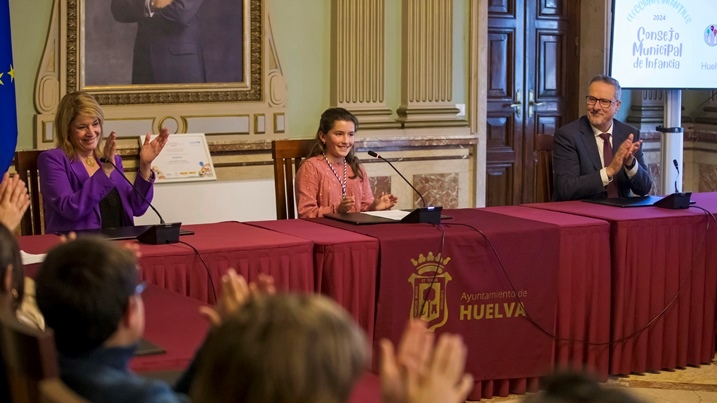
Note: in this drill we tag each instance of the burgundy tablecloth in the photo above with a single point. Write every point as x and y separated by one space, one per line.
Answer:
248 249
707 201
471 294
173 323
663 284
344 265
583 312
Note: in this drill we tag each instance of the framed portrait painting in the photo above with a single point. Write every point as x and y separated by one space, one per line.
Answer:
165 51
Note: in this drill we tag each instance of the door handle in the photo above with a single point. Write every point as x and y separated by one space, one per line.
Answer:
532 103
517 105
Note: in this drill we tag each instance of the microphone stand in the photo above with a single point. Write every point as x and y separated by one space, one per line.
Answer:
162 233
425 214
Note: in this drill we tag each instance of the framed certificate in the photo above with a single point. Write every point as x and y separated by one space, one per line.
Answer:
185 158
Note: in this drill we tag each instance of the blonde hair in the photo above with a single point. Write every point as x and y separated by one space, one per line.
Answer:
282 349
71 105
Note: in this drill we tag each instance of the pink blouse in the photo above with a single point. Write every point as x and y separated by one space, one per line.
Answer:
318 190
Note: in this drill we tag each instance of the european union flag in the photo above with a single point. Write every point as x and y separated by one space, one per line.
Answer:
8 109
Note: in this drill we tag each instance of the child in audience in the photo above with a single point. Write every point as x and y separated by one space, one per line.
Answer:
89 293
305 348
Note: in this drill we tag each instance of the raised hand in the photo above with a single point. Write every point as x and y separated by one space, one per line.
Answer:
110 150
150 150
384 202
631 149
14 201
71 236
445 380
414 352
235 292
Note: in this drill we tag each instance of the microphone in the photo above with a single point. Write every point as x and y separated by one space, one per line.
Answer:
376 155
156 234
677 200
424 214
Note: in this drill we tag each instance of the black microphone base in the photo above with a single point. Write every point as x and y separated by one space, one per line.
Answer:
161 234
675 201
430 215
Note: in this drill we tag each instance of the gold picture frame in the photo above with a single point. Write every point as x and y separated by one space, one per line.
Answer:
127 93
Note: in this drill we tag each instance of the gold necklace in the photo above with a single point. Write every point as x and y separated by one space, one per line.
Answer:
90 161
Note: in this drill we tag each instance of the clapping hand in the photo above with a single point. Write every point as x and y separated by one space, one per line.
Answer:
414 352
631 147
235 292
110 150
624 155
347 203
150 150
384 202
421 374
14 200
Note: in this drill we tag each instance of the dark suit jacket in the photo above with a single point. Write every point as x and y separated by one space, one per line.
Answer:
577 164
168 46
71 197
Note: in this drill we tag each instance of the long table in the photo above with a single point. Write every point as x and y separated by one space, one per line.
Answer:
345 265
663 283
583 280
469 276
583 309
188 266
576 269
172 322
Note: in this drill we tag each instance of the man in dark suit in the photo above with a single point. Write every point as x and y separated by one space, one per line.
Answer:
584 163
168 45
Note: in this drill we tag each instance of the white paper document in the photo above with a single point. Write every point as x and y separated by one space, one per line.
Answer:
29 258
184 158
390 214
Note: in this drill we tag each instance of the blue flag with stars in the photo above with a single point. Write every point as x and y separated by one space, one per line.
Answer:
8 108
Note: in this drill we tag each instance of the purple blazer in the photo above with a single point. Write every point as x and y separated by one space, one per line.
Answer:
71 197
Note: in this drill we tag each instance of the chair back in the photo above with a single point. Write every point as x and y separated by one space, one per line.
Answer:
28 356
26 167
287 155
544 176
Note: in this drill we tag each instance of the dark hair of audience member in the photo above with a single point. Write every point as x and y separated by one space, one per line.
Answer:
577 387
10 259
282 349
83 288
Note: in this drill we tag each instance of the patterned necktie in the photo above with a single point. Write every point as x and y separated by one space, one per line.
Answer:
607 158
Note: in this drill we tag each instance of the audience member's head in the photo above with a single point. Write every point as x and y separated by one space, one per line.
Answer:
282 348
86 289
576 387
12 286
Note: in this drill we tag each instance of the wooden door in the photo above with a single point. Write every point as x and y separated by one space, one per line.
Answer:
532 77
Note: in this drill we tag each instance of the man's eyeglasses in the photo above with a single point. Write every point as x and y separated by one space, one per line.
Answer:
605 103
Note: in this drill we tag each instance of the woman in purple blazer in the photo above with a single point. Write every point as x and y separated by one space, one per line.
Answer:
78 190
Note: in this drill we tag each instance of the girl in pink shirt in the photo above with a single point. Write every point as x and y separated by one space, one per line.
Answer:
332 180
